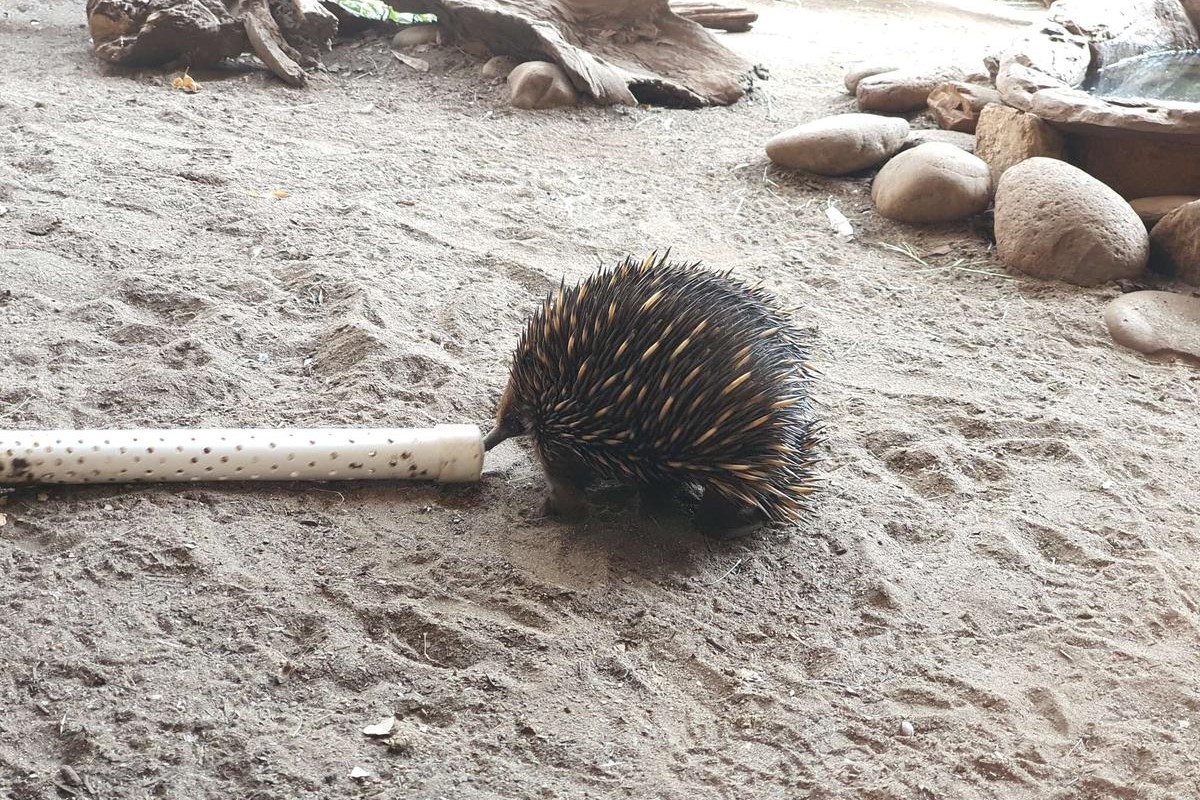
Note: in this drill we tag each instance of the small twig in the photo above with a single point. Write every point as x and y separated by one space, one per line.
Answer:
770 108
728 572
341 497
17 407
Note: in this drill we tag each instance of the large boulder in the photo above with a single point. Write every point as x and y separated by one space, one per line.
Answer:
838 145
1175 244
902 90
935 182
1054 221
1005 136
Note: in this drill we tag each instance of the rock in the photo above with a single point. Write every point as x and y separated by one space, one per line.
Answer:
69 776
498 67
1175 244
1054 221
991 63
906 728
935 182
963 141
1043 68
473 47
1152 209
865 70
955 106
413 35
838 145
540 84
1156 323
1005 136
1140 166
902 90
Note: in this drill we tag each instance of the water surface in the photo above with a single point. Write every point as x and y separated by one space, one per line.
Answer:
1173 75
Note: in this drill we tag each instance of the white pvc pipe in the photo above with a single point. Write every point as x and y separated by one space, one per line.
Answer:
446 453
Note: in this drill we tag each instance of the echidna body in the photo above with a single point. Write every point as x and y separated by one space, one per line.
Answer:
666 375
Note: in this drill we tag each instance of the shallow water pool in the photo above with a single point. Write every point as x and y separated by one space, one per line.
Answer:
1171 75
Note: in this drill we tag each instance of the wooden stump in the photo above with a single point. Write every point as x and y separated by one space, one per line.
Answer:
198 32
616 51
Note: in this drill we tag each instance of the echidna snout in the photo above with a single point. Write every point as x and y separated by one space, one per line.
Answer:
509 421
667 376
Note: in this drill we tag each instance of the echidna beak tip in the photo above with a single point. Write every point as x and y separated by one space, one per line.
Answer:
494 437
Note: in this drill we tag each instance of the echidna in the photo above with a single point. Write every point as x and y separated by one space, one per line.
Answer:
667 376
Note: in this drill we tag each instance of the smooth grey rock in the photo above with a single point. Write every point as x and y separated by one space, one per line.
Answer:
1156 323
935 182
902 90
838 145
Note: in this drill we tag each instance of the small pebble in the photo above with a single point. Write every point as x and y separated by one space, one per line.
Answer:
69 776
906 728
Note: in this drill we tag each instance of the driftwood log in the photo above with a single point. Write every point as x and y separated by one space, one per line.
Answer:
287 35
616 51
718 17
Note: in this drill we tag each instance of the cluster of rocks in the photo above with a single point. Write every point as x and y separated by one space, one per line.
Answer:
1052 220
531 85
924 175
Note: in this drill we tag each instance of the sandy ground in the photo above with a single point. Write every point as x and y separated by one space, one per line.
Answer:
1006 557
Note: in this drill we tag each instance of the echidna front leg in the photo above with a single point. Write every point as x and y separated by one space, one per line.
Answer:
722 517
662 498
567 479
565 499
